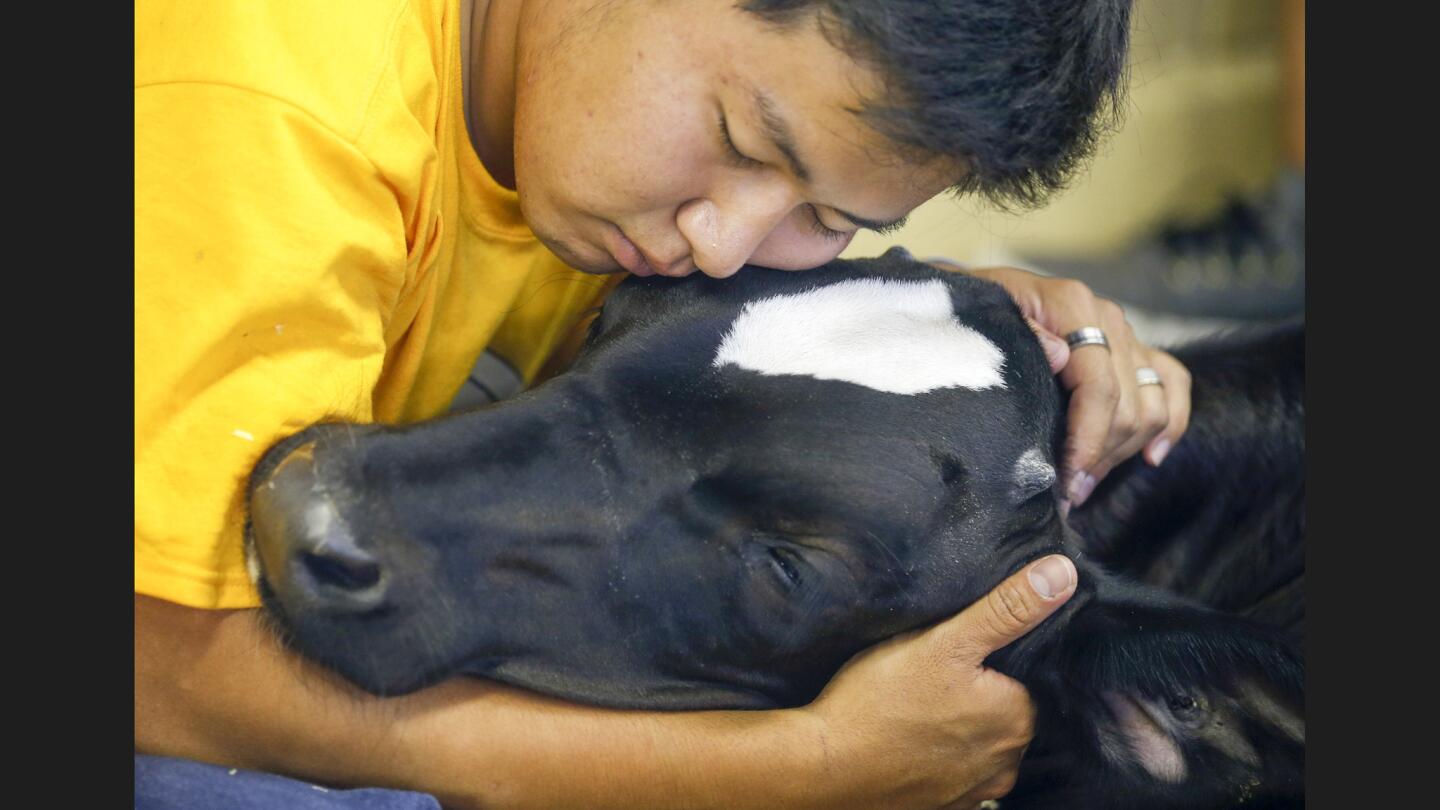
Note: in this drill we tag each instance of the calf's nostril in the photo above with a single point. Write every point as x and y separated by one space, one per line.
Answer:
313 557
351 571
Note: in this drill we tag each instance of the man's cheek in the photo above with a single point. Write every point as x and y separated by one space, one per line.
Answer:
794 245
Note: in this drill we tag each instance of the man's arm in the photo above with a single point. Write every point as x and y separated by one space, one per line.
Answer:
915 722
216 686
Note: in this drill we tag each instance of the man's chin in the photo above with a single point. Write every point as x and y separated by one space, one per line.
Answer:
575 259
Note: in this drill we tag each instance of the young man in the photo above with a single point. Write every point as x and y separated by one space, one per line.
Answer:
337 210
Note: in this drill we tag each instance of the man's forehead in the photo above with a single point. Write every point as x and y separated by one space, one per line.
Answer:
837 154
818 90
897 336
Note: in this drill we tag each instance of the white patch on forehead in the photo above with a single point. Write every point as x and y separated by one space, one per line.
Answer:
896 336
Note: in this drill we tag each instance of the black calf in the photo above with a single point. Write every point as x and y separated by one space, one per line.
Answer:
741 484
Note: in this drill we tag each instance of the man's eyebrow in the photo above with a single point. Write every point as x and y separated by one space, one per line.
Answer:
775 128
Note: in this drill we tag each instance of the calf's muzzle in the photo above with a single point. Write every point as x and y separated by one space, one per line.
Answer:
308 549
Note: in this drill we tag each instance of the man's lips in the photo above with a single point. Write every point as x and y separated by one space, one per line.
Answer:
627 254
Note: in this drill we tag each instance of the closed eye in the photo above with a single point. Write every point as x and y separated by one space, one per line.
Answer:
743 161
738 158
821 229
1187 709
787 563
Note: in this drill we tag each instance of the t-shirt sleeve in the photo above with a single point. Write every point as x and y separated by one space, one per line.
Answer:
269 253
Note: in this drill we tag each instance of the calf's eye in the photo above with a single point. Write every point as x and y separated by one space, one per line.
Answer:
1186 708
785 561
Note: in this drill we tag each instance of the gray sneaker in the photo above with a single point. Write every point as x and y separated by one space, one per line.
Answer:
1247 262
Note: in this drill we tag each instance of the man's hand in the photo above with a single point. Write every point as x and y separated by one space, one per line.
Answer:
1112 417
919 722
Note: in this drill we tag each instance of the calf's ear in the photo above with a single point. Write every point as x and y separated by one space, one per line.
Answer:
1175 703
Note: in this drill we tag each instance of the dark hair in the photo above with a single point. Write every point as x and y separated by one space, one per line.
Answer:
1020 90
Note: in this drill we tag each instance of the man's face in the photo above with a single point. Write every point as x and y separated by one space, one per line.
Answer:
621 153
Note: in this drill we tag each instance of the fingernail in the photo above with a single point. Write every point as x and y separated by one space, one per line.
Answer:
1052 575
1081 485
1158 451
1065 508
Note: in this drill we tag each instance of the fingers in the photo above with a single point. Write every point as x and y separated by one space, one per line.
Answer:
1000 786
1175 388
1014 608
987 795
1141 412
1111 416
1155 409
1089 373
1095 396
1057 351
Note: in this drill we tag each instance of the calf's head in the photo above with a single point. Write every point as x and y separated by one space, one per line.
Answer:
738 486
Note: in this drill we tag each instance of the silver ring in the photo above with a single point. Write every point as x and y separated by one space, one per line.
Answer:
1087 336
1148 376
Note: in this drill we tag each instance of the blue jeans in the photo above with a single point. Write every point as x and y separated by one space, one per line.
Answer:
166 783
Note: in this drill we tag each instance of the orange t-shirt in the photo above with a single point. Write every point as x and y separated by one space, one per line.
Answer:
314 237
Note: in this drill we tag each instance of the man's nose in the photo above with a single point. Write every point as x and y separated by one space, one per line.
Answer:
724 232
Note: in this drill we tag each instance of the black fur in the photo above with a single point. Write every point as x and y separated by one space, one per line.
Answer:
1223 520
651 531
1220 523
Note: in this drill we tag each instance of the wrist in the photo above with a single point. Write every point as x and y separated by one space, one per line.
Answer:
830 774
805 755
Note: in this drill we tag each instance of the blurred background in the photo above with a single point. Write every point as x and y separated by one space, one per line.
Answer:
1191 214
